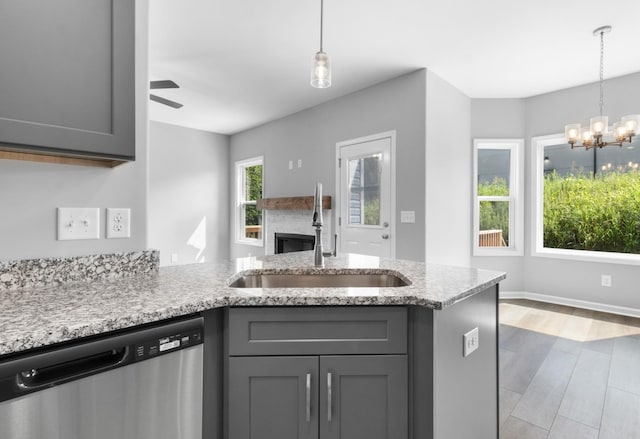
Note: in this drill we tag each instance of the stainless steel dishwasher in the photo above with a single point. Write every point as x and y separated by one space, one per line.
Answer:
138 384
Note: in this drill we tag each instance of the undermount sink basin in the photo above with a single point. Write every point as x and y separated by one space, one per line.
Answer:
319 280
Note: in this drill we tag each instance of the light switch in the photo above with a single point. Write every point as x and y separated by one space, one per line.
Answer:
78 223
407 216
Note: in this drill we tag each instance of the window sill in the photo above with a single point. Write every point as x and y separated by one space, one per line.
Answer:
252 242
496 251
588 256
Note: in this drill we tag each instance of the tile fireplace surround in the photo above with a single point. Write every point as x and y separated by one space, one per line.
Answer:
295 221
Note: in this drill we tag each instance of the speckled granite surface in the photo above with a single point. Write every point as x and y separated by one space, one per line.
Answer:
29 273
32 317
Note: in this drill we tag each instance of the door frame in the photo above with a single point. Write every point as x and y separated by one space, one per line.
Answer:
392 181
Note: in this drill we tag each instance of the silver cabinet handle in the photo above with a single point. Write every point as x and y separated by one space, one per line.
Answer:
308 397
329 404
385 236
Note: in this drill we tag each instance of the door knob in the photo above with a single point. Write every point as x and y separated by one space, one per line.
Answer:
385 236
385 224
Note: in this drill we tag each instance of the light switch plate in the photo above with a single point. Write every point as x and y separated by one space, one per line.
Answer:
78 223
118 223
470 342
407 216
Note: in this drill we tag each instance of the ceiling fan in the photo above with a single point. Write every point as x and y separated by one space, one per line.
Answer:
155 85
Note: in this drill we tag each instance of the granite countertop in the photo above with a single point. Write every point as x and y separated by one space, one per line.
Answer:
39 316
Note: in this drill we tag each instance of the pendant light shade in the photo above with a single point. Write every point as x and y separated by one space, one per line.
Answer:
321 71
321 65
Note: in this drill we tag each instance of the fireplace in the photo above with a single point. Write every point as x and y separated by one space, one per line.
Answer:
292 242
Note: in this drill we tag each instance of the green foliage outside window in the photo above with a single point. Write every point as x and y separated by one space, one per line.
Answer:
494 215
598 214
253 180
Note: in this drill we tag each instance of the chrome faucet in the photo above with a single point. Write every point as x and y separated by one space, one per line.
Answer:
319 255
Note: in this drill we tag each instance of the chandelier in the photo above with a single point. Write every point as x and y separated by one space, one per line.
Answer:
594 135
321 64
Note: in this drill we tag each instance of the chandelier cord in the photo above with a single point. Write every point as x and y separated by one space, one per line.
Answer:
601 73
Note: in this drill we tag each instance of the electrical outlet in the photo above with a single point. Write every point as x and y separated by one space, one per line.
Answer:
605 280
290 165
78 223
407 216
174 258
299 163
118 223
470 342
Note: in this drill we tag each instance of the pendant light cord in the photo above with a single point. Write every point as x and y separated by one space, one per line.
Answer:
321 16
601 73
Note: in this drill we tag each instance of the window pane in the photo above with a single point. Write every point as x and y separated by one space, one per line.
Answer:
364 188
494 224
252 222
591 198
253 182
494 167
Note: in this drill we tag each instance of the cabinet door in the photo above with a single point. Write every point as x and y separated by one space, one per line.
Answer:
363 397
67 77
273 398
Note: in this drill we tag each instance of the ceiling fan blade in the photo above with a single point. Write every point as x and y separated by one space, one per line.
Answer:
154 85
164 101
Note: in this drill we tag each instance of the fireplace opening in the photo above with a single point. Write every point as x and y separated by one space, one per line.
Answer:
292 242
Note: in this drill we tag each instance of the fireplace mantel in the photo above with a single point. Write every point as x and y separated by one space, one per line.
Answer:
292 203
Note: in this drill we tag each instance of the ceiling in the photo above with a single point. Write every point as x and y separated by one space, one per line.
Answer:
241 63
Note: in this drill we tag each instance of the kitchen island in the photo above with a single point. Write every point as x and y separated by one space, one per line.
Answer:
447 394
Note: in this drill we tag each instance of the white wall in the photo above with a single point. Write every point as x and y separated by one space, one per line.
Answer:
311 135
448 173
30 192
188 194
542 115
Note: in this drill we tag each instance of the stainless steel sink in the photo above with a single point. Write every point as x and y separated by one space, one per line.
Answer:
319 280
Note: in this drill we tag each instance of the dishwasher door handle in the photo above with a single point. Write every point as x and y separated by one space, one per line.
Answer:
47 376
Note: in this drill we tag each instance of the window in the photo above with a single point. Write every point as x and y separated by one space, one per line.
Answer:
249 189
586 202
364 190
498 203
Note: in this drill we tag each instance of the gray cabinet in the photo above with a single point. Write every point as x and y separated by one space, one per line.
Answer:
327 397
67 78
354 387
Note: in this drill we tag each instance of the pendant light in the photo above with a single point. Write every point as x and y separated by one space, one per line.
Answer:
593 135
321 65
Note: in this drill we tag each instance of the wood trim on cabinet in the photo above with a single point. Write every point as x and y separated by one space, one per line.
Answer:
62 160
292 203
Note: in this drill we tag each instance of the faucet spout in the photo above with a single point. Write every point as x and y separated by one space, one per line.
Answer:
318 256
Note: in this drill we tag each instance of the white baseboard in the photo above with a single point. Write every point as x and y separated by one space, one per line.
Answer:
595 306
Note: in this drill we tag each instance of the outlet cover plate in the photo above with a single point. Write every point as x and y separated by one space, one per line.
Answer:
407 216
471 341
118 222
78 223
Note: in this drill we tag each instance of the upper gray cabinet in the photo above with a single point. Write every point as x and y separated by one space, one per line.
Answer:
67 80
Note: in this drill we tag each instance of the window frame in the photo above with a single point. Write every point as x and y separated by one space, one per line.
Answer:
537 220
241 201
515 197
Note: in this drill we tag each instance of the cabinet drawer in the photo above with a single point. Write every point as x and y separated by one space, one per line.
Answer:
317 330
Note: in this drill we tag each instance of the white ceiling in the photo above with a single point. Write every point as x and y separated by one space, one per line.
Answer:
241 63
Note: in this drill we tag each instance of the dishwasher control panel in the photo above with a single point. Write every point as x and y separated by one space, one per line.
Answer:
167 343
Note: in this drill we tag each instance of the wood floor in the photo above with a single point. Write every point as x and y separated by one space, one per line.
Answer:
568 373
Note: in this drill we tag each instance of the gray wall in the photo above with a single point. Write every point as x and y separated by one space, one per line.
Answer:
311 135
448 173
501 119
542 115
30 192
188 194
